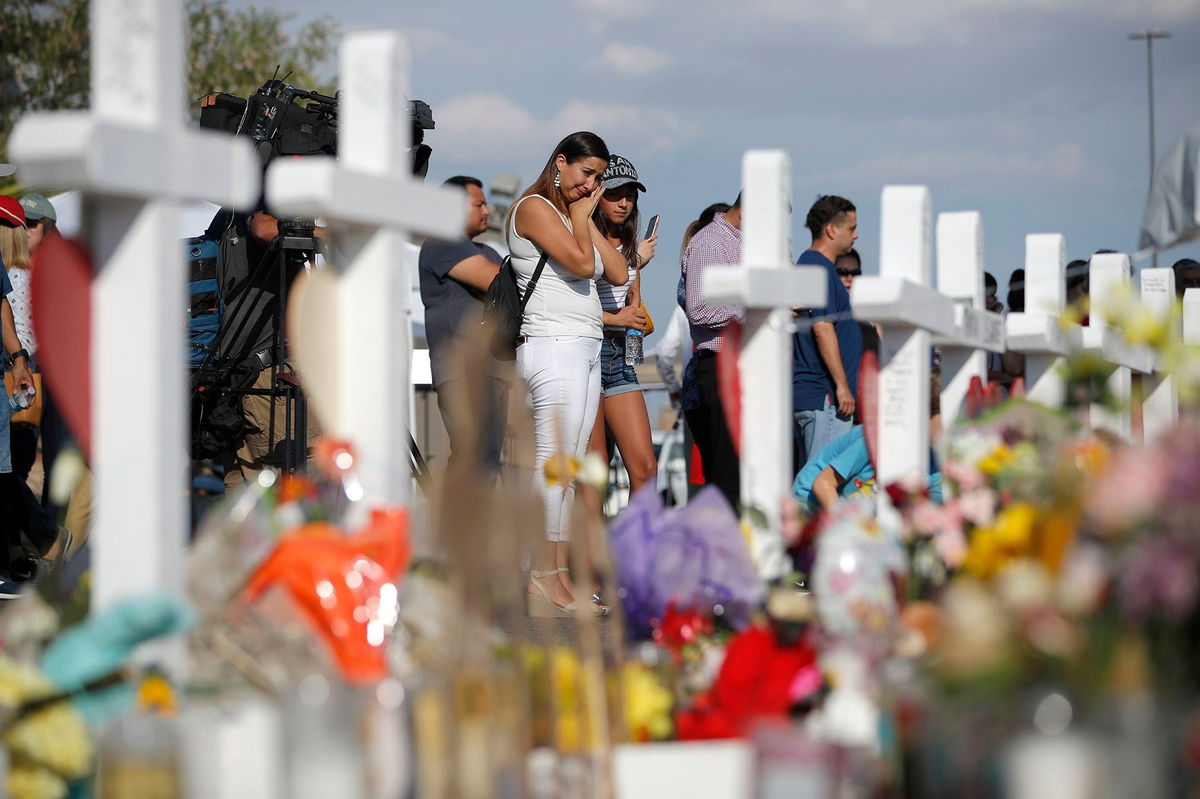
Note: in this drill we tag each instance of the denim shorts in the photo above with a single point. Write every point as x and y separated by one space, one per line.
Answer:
616 376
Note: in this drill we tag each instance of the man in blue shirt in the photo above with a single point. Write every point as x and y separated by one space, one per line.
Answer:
843 468
827 346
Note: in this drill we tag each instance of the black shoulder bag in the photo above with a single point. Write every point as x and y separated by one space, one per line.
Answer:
504 309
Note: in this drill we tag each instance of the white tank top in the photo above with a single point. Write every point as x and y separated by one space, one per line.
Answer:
562 304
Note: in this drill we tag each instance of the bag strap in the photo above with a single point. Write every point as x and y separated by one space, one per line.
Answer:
533 281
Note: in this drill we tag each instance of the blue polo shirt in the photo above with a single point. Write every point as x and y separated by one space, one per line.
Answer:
849 458
811 381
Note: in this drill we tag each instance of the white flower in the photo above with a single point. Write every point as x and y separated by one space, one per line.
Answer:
593 472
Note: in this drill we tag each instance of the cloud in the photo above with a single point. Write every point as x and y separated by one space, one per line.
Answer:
492 126
424 41
953 22
1065 163
616 9
632 59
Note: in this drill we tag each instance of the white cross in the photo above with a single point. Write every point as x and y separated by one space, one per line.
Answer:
1038 332
977 331
1160 408
1191 316
1108 277
769 286
136 161
901 300
370 199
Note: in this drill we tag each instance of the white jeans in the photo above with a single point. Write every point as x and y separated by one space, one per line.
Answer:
563 373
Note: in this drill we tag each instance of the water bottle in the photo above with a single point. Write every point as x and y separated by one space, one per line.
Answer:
633 346
20 399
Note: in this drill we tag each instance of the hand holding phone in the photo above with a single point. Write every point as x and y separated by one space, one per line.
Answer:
652 228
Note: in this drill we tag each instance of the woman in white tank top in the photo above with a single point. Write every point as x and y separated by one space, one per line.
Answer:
560 355
622 408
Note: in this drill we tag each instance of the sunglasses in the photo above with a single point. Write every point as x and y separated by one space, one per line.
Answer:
849 272
32 223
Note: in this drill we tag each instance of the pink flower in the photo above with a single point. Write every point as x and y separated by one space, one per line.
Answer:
951 545
978 506
1130 489
967 477
927 518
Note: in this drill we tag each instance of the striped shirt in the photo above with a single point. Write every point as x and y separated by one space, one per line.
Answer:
717 244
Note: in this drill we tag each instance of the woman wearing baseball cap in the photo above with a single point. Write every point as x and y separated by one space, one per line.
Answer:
16 502
15 251
622 408
559 355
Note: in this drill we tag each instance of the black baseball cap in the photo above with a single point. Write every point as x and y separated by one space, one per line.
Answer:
619 172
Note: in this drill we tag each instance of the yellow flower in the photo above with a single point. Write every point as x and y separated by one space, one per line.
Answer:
1144 329
747 534
1014 527
1092 456
567 673
55 737
30 781
569 727
996 460
1055 535
1011 535
560 469
647 704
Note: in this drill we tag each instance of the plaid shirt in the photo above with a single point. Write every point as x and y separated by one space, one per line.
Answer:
718 244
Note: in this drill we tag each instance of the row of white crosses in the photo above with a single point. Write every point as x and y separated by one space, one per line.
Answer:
914 317
136 160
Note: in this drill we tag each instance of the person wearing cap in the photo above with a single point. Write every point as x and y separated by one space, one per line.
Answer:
622 409
558 355
15 254
41 219
13 491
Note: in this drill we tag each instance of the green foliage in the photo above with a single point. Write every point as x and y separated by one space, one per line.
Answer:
45 56
236 51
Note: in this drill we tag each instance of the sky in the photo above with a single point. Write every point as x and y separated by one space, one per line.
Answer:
1032 112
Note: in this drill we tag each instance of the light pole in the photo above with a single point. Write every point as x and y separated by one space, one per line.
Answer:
1150 36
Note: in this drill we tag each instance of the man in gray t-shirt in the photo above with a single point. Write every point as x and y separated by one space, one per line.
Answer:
454 277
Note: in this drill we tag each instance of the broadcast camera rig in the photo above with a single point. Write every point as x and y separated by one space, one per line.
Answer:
284 120
281 120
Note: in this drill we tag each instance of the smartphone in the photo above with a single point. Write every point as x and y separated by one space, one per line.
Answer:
652 228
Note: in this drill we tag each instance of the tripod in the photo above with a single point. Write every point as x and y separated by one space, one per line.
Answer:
226 373
295 242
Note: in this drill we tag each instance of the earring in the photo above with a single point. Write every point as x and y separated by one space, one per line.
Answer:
558 180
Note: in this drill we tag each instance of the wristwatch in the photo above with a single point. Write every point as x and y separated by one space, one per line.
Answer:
21 353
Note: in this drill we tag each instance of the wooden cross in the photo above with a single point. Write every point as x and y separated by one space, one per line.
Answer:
911 313
1038 332
370 199
768 285
1160 407
977 331
136 160
1108 278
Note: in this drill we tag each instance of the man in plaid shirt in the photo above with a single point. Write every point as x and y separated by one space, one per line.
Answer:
719 244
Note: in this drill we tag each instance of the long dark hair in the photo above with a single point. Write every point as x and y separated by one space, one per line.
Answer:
626 232
579 145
